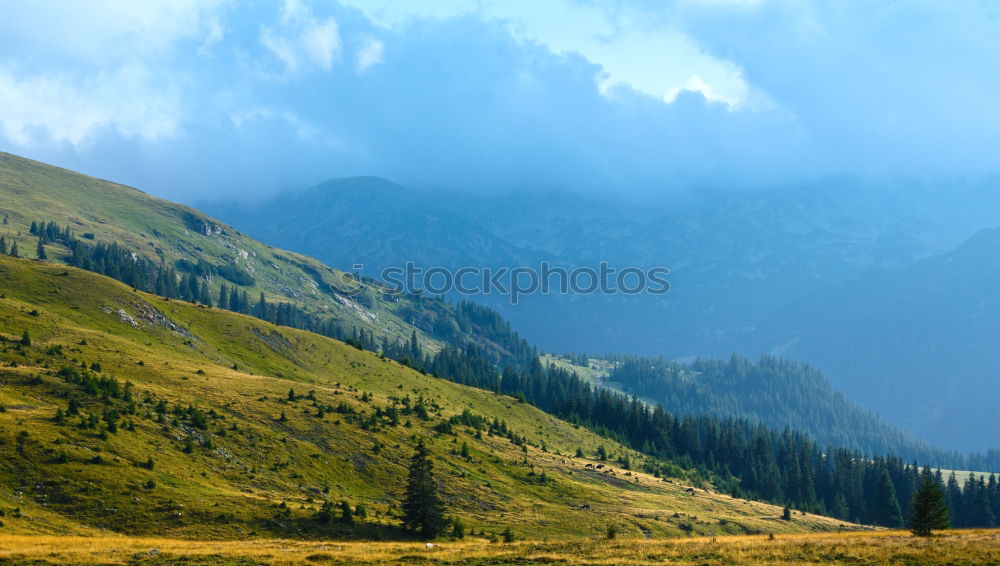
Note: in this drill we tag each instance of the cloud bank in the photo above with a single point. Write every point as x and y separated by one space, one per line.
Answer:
189 99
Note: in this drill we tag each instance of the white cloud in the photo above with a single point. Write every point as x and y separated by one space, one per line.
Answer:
302 42
370 53
71 72
62 108
654 59
106 32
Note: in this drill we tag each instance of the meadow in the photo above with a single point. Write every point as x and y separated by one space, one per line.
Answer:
875 547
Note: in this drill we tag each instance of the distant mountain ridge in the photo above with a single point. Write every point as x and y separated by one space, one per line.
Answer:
935 324
372 222
741 264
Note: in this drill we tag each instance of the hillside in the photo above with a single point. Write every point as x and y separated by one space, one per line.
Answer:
181 241
143 415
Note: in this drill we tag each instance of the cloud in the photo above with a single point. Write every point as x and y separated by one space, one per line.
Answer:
301 41
370 53
70 74
103 32
632 97
654 61
66 109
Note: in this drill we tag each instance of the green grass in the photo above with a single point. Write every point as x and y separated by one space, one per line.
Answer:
248 461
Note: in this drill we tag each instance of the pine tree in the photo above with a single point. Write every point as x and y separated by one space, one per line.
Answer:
982 510
929 509
25 339
423 510
415 352
3 246
346 515
204 297
40 250
886 510
954 492
223 297
260 311
13 249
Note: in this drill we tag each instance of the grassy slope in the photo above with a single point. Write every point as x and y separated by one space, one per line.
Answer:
596 373
33 191
226 491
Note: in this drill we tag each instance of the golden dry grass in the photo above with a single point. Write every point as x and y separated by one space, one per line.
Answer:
882 547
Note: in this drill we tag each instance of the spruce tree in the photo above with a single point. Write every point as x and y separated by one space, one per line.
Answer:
40 250
223 297
13 249
982 510
929 509
423 510
260 311
204 297
3 246
346 515
886 510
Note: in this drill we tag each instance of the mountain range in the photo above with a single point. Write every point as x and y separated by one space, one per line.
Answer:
767 272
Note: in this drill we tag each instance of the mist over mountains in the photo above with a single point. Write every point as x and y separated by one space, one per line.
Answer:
885 289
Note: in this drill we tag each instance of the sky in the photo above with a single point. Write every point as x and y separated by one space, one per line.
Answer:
195 99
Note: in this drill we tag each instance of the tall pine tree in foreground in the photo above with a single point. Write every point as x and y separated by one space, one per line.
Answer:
423 510
929 510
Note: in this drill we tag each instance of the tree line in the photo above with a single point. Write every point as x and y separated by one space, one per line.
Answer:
744 457
779 393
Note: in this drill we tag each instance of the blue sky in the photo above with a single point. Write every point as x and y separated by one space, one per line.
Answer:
200 98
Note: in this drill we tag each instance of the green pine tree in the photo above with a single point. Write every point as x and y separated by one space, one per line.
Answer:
346 515
929 510
423 510
886 511
40 250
